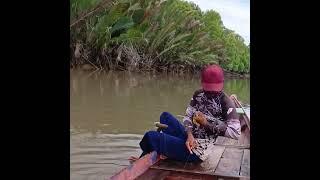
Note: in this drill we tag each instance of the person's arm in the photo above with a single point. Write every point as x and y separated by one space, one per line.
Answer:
187 122
233 129
231 126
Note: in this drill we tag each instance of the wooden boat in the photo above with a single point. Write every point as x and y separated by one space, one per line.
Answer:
230 160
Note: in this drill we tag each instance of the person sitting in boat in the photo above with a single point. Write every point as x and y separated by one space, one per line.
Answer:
211 113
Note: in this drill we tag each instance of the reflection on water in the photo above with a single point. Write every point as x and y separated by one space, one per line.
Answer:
111 110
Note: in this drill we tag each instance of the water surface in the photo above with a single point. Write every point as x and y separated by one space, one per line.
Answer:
110 111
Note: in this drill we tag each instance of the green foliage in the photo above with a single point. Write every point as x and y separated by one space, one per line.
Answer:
78 6
137 16
123 23
165 31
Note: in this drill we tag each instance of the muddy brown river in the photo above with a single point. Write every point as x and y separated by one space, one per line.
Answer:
110 111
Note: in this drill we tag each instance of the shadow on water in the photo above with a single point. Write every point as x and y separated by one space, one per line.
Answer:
110 111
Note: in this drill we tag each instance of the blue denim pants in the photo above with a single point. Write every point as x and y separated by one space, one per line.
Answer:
171 142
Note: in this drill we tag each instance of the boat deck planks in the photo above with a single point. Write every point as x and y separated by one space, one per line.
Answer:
157 174
245 165
154 174
206 167
230 162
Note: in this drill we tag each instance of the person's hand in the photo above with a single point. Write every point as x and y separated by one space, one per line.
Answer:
191 143
200 118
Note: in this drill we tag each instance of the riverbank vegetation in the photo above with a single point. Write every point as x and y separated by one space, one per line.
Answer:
152 35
